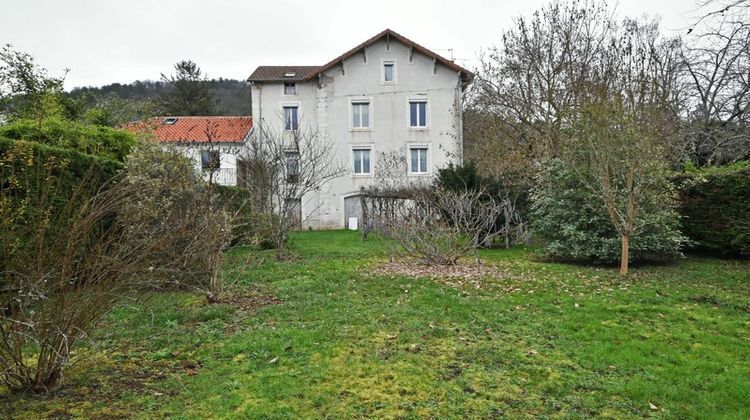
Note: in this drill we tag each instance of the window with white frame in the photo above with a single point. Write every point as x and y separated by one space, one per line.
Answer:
291 121
418 113
418 160
361 161
290 88
389 71
361 114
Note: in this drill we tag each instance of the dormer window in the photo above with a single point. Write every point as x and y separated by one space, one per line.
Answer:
290 88
170 121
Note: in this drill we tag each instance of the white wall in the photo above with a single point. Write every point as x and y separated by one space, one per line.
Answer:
227 174
328 109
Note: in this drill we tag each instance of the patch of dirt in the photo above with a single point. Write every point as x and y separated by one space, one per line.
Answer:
252 302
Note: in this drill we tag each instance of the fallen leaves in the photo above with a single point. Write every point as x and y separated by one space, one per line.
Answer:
462 274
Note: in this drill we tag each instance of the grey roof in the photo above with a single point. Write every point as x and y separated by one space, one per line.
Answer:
279 73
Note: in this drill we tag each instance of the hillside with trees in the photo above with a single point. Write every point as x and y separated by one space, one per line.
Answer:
232 96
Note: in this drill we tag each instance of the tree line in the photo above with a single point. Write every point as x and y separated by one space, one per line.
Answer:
594 112
185 92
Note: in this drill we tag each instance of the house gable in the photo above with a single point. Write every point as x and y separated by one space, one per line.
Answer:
388 36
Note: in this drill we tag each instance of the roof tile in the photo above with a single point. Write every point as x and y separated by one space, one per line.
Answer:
196 129
279 73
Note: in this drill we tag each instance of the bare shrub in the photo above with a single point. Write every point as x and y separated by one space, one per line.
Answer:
70 254
437 226
66 261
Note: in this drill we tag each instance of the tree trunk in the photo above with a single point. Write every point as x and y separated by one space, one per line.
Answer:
624 255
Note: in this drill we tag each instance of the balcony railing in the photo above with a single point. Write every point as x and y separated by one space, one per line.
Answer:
222 176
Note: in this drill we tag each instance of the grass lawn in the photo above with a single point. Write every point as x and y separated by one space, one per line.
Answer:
539 340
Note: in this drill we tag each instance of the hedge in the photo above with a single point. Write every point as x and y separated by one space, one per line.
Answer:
96 169
715 205
85 138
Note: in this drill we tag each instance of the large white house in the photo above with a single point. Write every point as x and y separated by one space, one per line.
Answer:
385 95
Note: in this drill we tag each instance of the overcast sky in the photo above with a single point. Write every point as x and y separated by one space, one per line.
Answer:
108 41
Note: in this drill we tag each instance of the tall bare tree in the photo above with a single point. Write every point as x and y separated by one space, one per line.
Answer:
716 59
282 169
528 85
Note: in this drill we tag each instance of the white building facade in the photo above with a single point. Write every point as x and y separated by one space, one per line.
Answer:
387 95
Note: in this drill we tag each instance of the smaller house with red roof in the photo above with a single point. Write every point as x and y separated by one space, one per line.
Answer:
214 143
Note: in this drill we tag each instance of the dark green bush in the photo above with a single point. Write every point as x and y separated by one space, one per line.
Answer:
52 176
715 204
15 154
573 223
85 138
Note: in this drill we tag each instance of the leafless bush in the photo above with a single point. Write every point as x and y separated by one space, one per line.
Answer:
69 256
66 261
438 226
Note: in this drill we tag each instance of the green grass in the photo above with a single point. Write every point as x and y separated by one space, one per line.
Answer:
543 340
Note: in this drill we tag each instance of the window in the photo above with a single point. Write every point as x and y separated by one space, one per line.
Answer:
210 160
361 161
418 113
361 114
290 88
170 120
290 118
418 160
292 167
388 68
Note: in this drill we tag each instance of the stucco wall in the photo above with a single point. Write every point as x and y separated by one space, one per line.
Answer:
328 108
227 174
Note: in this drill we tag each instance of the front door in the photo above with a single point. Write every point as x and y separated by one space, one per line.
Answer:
353 209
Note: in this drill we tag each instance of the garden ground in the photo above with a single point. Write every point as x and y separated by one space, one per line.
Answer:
332 333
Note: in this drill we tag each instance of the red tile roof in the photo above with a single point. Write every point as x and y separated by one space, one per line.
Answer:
195 129
276 73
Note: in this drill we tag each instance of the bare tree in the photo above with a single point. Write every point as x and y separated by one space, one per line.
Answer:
716 60
712 10
282 170
528 87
